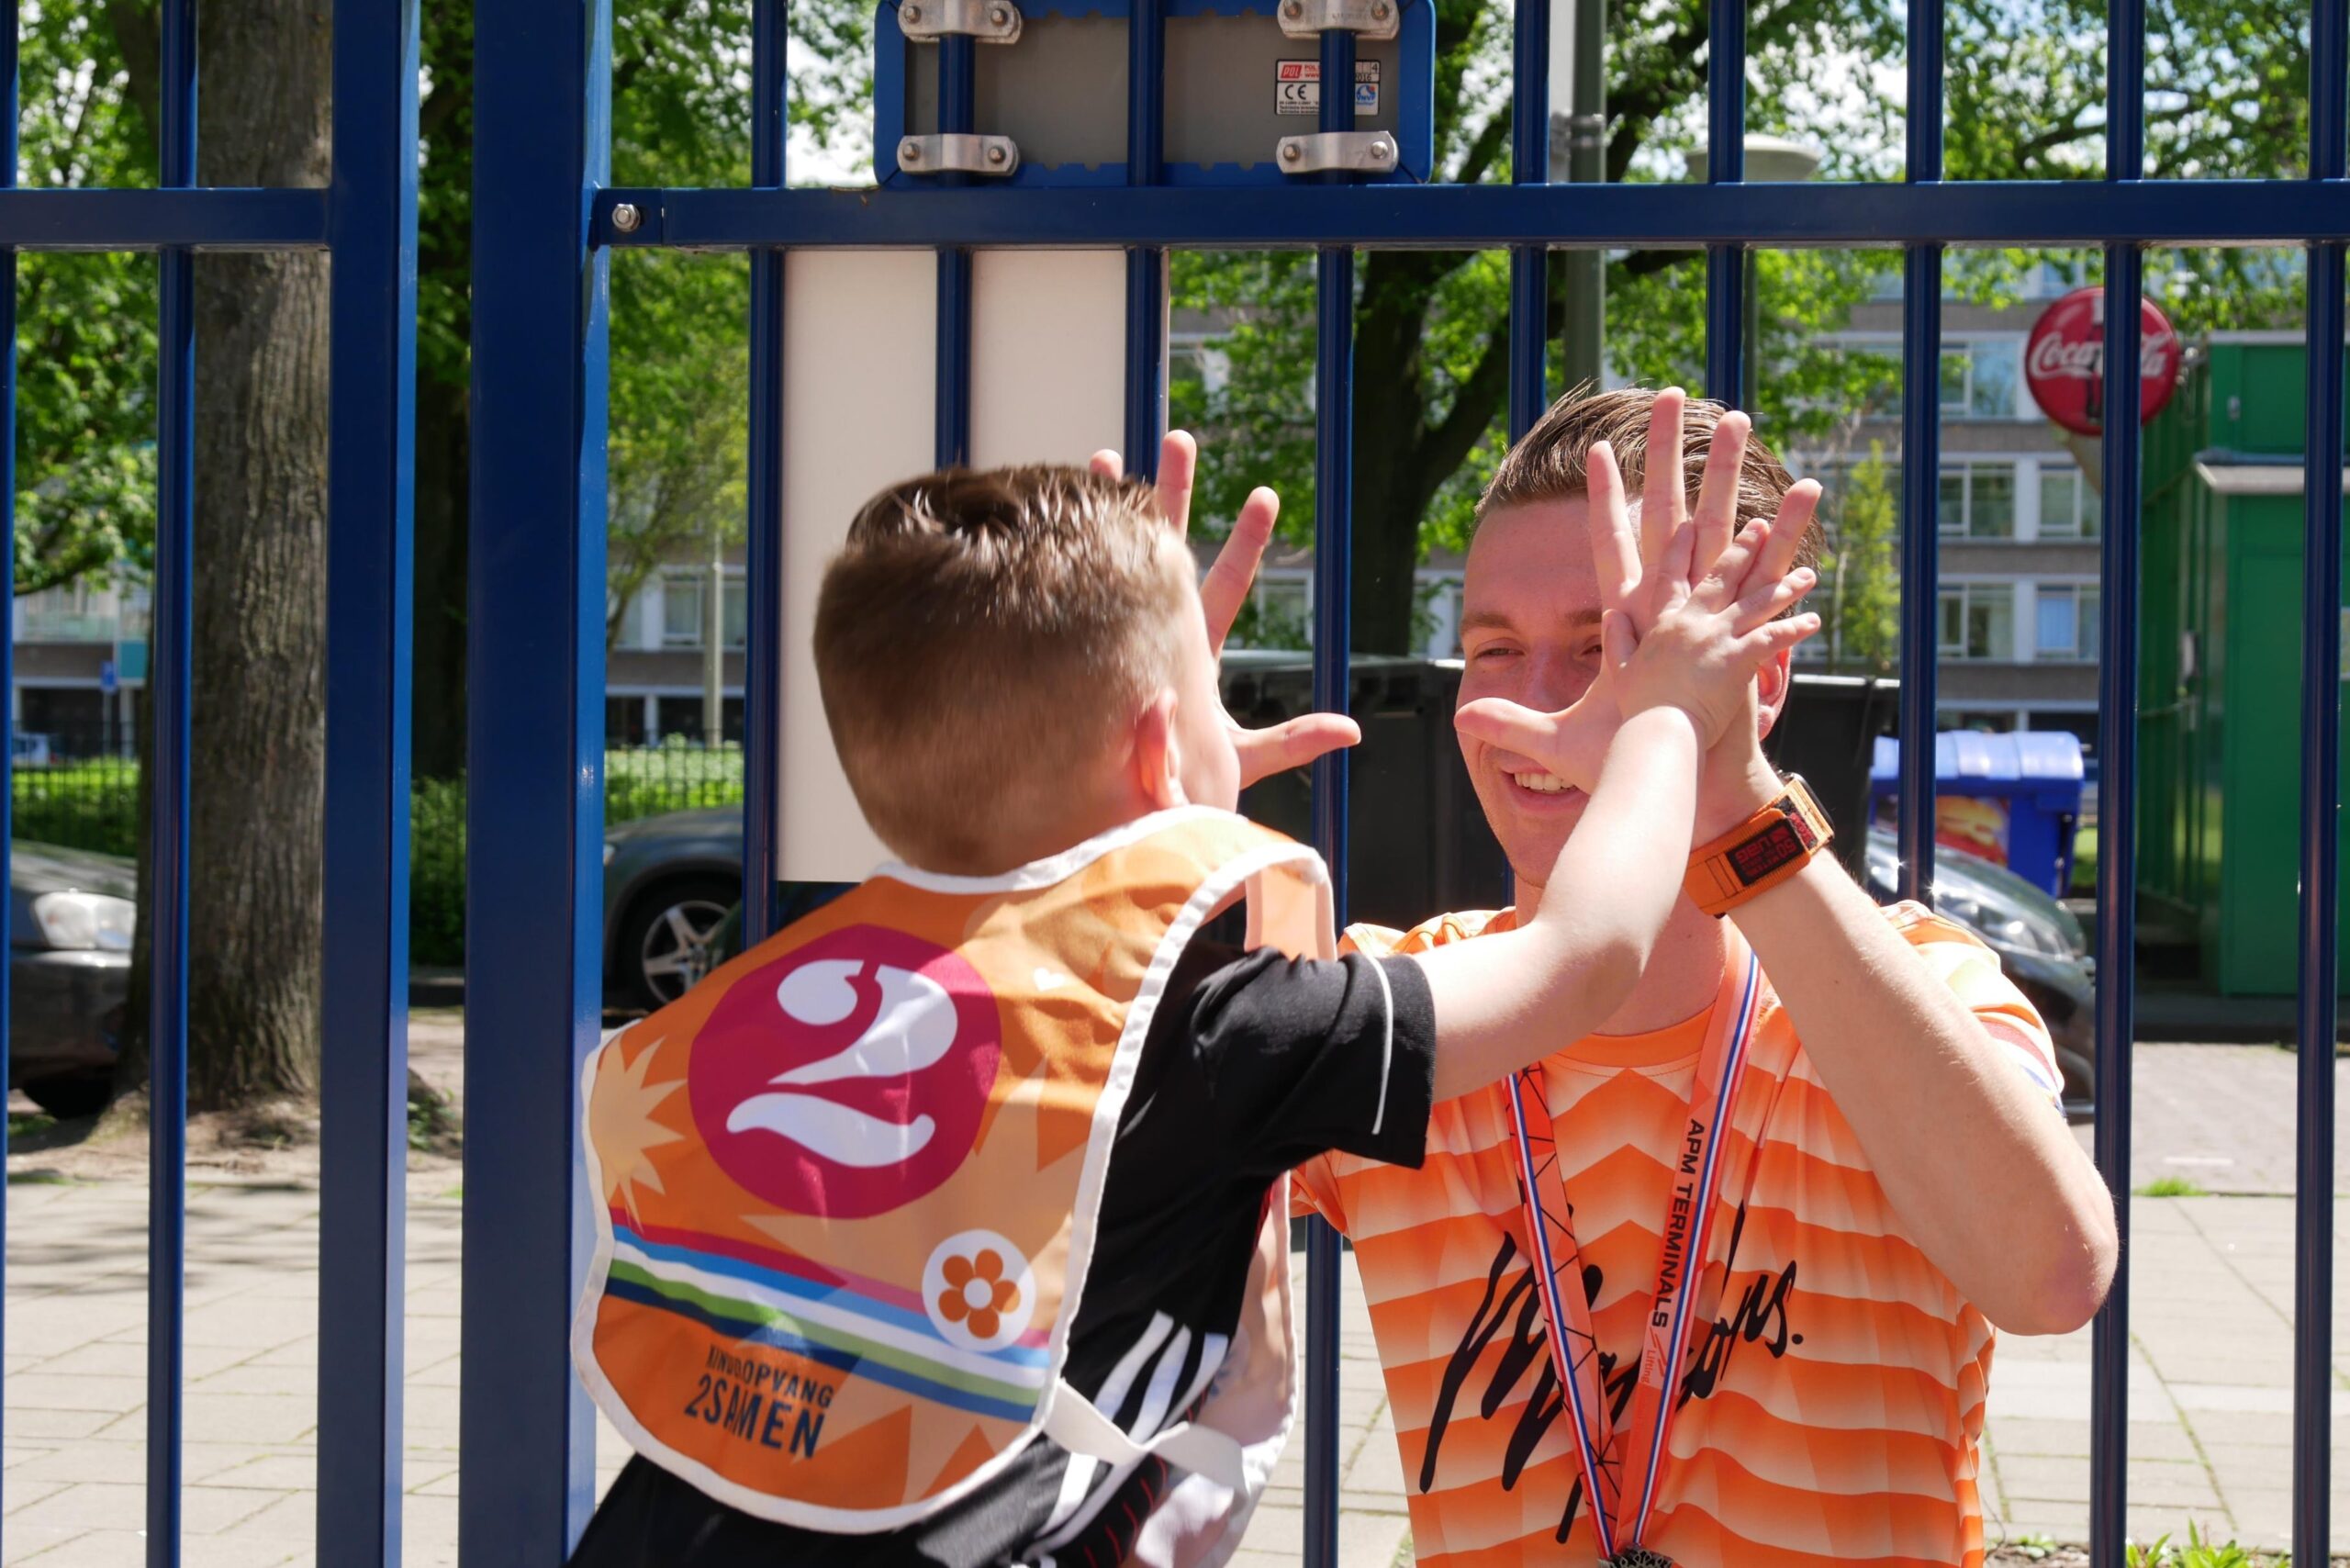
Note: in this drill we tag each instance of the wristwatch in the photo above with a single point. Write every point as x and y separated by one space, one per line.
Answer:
1761 852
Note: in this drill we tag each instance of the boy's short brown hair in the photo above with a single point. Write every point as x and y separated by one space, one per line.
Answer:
1550 462
982 636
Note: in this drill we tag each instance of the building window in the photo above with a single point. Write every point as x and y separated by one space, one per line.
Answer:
1978 621
1980 379
1993 722
736 614
681 612
2069 509
1278 614
2067 622
1978 500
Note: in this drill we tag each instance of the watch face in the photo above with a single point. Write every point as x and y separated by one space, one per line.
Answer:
1775 847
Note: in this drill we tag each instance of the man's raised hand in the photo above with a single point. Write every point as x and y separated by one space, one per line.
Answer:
1277 747
1627 556
1704 644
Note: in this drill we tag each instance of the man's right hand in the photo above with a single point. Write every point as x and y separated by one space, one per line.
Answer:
1705 644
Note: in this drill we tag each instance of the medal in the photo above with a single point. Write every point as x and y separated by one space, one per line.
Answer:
1688 1226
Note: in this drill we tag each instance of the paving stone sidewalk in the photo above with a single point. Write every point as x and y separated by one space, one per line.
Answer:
2210 1394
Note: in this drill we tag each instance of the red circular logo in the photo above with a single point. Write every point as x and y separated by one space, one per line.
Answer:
847 1079
2063 361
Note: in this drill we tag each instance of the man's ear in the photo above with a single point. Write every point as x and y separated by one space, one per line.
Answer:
1772 684
1158 753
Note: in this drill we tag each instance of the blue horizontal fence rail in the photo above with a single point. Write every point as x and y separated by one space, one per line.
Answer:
1986 212
1923 215
367 219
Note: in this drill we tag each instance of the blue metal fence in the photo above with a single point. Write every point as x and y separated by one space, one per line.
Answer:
544 232
367 218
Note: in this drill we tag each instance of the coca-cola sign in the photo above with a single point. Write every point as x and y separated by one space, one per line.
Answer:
2063 361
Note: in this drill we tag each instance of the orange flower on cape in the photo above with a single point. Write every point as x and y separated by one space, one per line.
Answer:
978 1292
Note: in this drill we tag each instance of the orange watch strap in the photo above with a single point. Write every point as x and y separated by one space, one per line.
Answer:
1760 852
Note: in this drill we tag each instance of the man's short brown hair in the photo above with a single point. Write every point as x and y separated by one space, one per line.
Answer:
1550 462
980 639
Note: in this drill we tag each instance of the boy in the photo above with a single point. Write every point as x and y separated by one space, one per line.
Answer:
940 1228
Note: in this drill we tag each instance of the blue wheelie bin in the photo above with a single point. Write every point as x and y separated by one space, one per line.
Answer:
2012 799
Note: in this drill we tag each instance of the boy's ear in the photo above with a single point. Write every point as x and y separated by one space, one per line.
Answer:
1158 752
1773 683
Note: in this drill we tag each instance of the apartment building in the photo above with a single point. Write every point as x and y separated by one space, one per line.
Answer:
655 669
80 651
2018 590
2019 520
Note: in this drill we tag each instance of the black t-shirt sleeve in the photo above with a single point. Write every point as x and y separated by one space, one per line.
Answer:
1273 1060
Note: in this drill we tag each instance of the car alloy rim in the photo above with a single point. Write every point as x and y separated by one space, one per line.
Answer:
676 953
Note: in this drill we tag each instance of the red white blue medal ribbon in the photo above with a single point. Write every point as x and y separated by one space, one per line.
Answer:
1688 1230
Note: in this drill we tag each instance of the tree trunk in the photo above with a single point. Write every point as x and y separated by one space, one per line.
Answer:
258 719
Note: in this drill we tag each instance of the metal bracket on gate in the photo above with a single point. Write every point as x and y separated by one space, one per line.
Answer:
1370 19
1340 152
989 21
995 156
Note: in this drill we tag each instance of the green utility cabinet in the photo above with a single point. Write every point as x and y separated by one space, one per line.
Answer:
2221 667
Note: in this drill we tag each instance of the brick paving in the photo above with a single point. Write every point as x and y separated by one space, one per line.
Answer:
2210 1396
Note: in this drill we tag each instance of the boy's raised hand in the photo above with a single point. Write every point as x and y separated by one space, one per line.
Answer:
1277 747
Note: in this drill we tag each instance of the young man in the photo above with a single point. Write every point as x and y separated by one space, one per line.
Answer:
1717 1285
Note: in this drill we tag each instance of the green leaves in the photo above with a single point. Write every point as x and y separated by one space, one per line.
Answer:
85 324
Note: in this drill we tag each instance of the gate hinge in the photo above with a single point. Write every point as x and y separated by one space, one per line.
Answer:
995 156
1345 152
1370 19
989 21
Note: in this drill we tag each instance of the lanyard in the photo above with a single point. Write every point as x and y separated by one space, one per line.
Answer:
1688 1226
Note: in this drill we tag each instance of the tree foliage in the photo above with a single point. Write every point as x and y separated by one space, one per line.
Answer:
85 324
2025 90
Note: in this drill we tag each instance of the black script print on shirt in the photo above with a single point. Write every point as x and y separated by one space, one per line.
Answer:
1757 1315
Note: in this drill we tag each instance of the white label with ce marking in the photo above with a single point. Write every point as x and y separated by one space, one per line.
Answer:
1297 86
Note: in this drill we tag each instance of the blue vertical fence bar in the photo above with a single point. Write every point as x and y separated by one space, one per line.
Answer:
2117 829
8 514
1529 265
534 818
364 994
763 499
1145 265
2321 785
956 90
1726 279
1334 477
1921 442
2320 806
168 673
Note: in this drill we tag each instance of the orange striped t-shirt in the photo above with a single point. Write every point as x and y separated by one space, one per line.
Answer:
1832 1397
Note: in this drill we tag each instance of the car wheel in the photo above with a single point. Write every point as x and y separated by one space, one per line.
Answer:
71 1094
2080 1082
666 946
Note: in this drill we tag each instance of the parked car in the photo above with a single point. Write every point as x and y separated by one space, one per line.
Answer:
668 882
2041 945
70 916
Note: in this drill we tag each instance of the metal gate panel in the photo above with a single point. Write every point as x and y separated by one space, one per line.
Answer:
1048 355
859 340
1922 215
366 218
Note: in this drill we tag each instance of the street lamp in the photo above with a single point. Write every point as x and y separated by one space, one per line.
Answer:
1770 160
